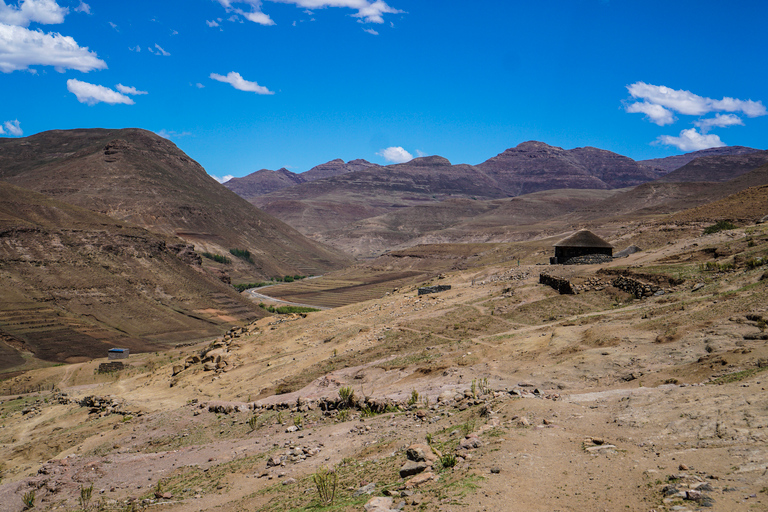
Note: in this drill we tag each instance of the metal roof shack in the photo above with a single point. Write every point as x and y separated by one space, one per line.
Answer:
581 243
118 353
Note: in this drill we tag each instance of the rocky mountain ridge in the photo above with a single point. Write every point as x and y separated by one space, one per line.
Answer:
265 181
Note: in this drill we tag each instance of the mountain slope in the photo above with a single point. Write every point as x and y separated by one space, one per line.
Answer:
139 177
534 166
74 283
671 163
717 168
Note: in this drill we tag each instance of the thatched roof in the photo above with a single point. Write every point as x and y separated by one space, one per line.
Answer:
583 238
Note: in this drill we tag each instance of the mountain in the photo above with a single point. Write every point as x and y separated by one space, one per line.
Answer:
74 283
266 181
534 166
330 203
136 176
263 182
671 163
324 206
717 168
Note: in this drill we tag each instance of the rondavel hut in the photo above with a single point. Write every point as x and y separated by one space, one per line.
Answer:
581 243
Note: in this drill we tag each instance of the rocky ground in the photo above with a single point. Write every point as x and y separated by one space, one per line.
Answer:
500 394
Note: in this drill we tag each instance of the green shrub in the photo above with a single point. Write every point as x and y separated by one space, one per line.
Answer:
413 400
85 496
218 258
287 310
721 225
28 500
325 480
245 286
243 254
346 395
448 460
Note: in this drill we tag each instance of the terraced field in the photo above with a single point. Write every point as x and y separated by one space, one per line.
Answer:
345 287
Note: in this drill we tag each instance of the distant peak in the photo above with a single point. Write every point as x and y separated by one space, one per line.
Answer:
430 160
534 145
360 161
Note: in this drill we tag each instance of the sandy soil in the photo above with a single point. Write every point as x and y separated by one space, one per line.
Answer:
585 402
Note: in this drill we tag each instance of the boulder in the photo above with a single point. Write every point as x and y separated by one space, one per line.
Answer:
379 504
420 480
421 453
412 467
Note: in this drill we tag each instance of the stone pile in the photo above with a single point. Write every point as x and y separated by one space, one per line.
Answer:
637 288
687 487
217 357
293 455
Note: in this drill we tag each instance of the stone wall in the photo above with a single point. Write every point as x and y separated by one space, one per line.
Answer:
434 289
114 366
637 288
589 259
563 286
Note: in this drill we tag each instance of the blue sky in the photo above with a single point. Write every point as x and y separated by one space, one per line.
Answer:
250 84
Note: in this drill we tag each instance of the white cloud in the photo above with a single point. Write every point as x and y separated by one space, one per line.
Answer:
241 84
420 153
136 49
719 121
371 31
158 50
12 128
129 90
258 17
199 85
21 48
688 103
170 134
655 113
113 25
212 23
92 94
83 7
222 179
395 154
367 11
46 12
691 140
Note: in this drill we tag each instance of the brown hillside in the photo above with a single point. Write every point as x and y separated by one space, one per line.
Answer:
717 168
671 163
74 283
458 220
139 177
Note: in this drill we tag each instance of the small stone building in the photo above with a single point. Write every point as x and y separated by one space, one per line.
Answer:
581 243
118 353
